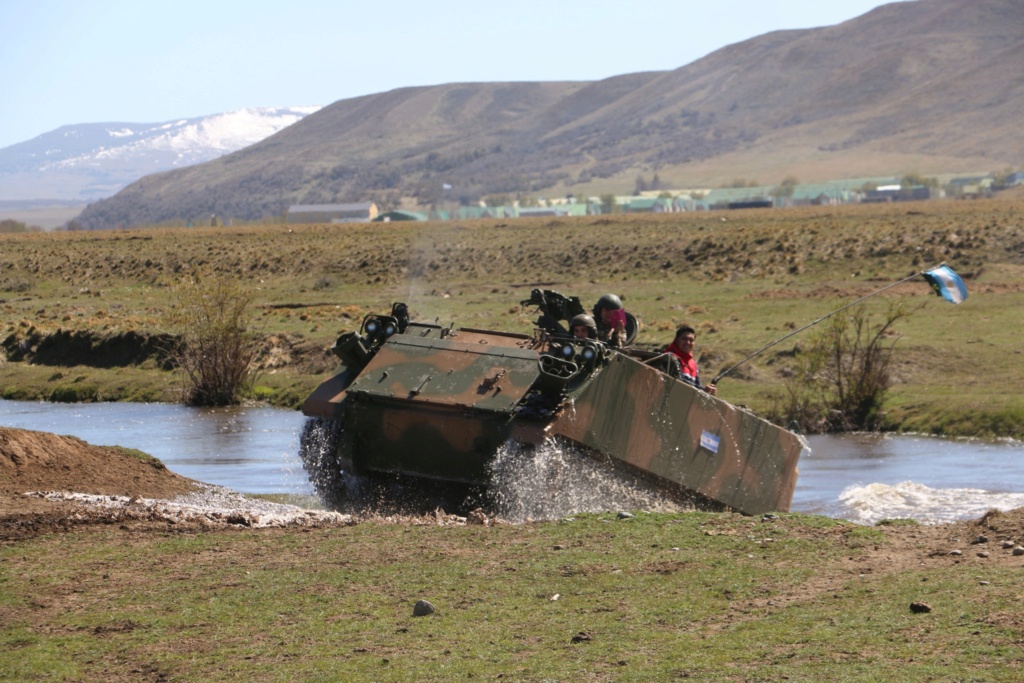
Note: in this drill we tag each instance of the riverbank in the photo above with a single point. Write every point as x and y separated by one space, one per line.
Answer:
703 596
742 278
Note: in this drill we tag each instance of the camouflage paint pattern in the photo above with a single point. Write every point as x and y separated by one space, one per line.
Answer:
655 424
438 403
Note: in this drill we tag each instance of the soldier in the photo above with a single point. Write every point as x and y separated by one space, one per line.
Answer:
682 348
582 326
611 320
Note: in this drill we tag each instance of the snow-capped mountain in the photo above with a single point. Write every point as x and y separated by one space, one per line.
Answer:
91 161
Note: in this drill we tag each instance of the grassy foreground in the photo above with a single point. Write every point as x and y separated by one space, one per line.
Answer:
694 596
742 278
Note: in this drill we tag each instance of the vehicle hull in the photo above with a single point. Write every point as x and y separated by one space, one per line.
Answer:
438 404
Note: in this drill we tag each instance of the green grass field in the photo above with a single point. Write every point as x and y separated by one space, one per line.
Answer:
693 596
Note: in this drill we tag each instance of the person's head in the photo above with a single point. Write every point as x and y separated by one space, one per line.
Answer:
605 305
685 337
582 326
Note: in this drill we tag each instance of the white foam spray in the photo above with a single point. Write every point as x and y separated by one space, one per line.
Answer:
528 483
318 447
557 479
870 503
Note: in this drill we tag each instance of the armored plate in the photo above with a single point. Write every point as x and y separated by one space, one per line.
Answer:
449 372
684 437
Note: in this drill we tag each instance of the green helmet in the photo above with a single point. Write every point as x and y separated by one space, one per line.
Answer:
583 320
608 301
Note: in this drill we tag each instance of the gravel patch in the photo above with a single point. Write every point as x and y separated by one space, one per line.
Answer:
210 506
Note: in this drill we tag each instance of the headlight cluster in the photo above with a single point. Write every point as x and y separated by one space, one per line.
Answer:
379 326
581 351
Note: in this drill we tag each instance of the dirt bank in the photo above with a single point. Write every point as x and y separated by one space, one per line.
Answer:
52 483
38 461
68 348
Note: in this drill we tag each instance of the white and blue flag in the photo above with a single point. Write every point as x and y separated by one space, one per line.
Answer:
946 283
709 441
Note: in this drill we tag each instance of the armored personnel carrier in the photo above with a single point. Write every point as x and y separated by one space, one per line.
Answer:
432 402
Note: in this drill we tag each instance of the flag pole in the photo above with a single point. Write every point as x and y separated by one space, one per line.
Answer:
725 372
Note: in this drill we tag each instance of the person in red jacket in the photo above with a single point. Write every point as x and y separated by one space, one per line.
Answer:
682 348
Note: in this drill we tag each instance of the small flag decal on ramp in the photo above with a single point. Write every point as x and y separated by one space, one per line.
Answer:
709 441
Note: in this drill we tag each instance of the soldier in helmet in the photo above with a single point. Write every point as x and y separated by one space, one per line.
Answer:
582 326
611 320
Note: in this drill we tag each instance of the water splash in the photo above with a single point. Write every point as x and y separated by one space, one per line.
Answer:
374 494
318 449
557 479
868 504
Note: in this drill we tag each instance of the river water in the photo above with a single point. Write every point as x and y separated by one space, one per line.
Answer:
862 478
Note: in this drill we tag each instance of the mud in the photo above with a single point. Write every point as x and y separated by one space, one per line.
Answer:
69 348
51 483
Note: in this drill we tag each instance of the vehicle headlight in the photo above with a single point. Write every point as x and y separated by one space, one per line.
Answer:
568 351
372 326
390 329
589 353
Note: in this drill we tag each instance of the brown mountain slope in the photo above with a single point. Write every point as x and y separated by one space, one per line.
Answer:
948 72
930 86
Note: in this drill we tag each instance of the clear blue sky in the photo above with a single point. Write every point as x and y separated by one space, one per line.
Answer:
144 61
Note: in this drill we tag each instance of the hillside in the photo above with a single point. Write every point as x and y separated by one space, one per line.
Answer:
929 86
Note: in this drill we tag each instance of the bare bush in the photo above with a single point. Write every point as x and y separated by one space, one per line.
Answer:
217 346
840 382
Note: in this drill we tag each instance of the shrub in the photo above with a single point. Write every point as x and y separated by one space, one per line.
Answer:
70 393
217 344
841 381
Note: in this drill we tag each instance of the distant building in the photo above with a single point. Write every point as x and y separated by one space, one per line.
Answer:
751 204
884 193
918 193
683 202
400 215
362 212
648 205
970 186
536 211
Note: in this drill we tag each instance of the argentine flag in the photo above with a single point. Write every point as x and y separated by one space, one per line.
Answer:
946 283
